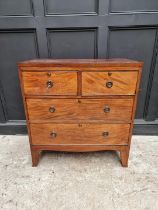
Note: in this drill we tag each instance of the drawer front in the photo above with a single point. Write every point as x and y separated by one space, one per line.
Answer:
112 83
82 134
79 109
46 83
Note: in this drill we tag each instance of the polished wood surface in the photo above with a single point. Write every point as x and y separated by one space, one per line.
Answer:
72 134
36 150
79 112
95 83
79 109
63 83
117 62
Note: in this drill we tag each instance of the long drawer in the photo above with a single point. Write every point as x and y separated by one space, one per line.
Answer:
50 83
80 109
79 134
109 83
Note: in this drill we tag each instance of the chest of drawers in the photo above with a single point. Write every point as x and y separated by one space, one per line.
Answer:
80 105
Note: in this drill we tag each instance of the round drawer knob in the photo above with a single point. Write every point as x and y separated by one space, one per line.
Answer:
107 109
51 109
49 84
53 134
105 134
109 84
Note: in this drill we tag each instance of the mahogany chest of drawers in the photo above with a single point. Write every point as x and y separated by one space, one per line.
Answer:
80 105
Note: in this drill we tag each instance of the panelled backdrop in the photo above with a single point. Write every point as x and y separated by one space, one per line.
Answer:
78 29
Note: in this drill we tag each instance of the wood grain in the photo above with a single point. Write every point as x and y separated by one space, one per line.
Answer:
79 95
81 63
78 148
72 134
124 155
94 83
64 83
79 109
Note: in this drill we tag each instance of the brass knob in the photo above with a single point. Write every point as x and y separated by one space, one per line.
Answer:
105 134
109 84
49 84
51 109
53 134
107 109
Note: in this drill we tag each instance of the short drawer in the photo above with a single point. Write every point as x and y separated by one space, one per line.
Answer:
79 134
79 109
50 83
109 83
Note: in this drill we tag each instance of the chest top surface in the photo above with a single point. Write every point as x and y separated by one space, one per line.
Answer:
80 64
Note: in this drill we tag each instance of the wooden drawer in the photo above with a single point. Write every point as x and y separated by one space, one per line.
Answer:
73 134
46 83
79 109
109 83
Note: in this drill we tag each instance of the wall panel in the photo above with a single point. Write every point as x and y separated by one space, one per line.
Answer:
16 7
58 7
15 46
134 43
72 43
133 6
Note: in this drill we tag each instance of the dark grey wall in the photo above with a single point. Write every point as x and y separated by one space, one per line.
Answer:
78 29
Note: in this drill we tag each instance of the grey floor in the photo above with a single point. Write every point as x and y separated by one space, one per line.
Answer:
88 181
